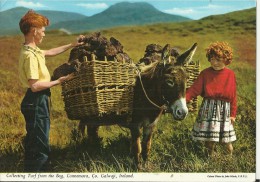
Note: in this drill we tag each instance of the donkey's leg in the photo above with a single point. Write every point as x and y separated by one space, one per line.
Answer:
147 141
93 133
81 127
136 144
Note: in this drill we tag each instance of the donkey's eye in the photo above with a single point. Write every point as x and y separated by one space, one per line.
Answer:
170 83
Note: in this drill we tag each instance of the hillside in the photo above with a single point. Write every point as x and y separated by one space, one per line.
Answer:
245 18
13 16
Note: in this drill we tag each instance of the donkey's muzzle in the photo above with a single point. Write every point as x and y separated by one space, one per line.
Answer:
179 109
180 114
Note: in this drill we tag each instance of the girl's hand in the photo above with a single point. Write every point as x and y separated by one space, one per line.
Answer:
233 119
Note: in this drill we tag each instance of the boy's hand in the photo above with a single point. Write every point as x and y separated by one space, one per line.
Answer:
79 41
65 78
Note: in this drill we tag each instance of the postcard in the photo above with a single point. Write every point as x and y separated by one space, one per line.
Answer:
128 90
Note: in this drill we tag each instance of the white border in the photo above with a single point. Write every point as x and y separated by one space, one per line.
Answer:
178 177
257 100
173 177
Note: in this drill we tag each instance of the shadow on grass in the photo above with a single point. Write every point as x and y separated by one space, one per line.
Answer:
112 155
81 155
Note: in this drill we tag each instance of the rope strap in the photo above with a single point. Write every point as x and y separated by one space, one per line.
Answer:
162 108
139 75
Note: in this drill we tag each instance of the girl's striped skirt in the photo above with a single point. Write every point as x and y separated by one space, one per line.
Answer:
213 122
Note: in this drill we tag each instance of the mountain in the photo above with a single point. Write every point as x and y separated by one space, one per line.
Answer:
13 16
124 14
121 14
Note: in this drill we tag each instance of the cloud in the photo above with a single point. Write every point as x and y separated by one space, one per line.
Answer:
93 6
181 11
29 4
186 12
197 12
213 7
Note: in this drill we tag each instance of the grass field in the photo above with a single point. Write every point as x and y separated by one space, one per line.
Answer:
172 147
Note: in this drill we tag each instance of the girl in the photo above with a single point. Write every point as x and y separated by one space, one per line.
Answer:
217 85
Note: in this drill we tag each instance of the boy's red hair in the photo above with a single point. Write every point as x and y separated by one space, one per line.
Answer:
32 19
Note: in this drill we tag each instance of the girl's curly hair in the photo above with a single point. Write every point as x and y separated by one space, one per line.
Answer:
220 50
32 19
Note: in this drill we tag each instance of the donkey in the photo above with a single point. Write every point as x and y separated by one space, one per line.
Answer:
160 88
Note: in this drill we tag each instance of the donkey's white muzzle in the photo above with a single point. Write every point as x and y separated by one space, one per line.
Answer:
179 109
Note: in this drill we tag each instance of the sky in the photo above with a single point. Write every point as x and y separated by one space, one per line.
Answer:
194 9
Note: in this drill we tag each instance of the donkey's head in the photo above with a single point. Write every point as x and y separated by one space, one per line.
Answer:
173 80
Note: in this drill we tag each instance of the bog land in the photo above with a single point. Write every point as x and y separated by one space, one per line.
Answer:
173 150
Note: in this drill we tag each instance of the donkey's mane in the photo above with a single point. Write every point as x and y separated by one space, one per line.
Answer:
153 69
148 70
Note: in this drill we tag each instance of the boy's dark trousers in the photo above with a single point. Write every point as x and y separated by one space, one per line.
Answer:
35 108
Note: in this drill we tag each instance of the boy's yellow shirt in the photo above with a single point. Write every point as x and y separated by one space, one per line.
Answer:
32 66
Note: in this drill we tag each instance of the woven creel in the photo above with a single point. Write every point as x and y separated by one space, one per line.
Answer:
106 87
100 87
193 70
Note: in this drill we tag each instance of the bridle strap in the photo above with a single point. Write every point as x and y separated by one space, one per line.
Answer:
162 108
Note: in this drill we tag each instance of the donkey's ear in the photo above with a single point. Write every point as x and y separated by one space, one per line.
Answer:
186 57
166 53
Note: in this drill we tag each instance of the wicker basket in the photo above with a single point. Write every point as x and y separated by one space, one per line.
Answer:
193 69
105 87
100 87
